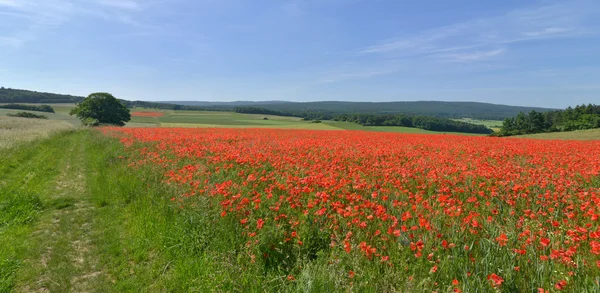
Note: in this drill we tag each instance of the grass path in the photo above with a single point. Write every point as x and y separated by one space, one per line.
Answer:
62 258
54 250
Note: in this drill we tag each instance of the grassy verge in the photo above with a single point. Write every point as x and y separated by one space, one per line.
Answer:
28 173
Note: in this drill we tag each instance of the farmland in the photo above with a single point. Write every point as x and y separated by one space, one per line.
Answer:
285 205
322 208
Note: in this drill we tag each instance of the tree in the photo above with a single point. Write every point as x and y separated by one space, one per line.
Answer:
101 108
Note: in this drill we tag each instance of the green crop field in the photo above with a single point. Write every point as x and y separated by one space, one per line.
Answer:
218 119
591 134
492 124
236 120
62 115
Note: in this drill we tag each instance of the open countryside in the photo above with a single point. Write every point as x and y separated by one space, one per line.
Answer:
256 202
441 146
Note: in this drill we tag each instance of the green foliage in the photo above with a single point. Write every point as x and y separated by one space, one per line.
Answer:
422 122
40 108
101 108
579 118
18 208
167 106
328 110
8 95
27 115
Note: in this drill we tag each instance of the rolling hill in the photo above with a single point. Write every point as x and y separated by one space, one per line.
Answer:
474 110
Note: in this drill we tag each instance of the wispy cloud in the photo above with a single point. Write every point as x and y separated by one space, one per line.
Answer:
474 41
471 56
562 20
121 4
30 18
547 31
10 3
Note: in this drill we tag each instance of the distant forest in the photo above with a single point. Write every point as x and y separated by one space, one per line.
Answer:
8 95
422 122
308 110
328 110
578 118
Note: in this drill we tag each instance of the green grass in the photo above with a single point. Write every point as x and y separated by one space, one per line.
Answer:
29 175
218 119
224 118
148 120
14 131
64 116
489 123
591 134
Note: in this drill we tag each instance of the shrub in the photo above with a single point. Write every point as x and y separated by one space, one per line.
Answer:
27 115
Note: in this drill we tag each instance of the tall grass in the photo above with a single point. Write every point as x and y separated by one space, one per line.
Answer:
15 130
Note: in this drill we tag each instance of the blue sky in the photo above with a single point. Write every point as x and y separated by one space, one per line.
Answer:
542 53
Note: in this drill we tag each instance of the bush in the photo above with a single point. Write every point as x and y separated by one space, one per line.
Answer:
27 115
39 108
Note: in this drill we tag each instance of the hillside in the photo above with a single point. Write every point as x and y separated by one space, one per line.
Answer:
473 110
8 95
13 96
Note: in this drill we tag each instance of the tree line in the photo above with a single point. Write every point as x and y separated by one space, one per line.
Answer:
167 106
422 122
8 95
450 110
579 118
27 115
39 108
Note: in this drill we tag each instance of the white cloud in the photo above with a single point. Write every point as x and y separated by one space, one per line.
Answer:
565 19
30 18
120 4
11 3
472 56
546 31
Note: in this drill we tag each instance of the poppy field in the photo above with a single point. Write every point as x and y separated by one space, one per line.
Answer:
147 114
396 212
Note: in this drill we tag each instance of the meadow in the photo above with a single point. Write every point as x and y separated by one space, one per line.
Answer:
315 211
18 130
284 205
